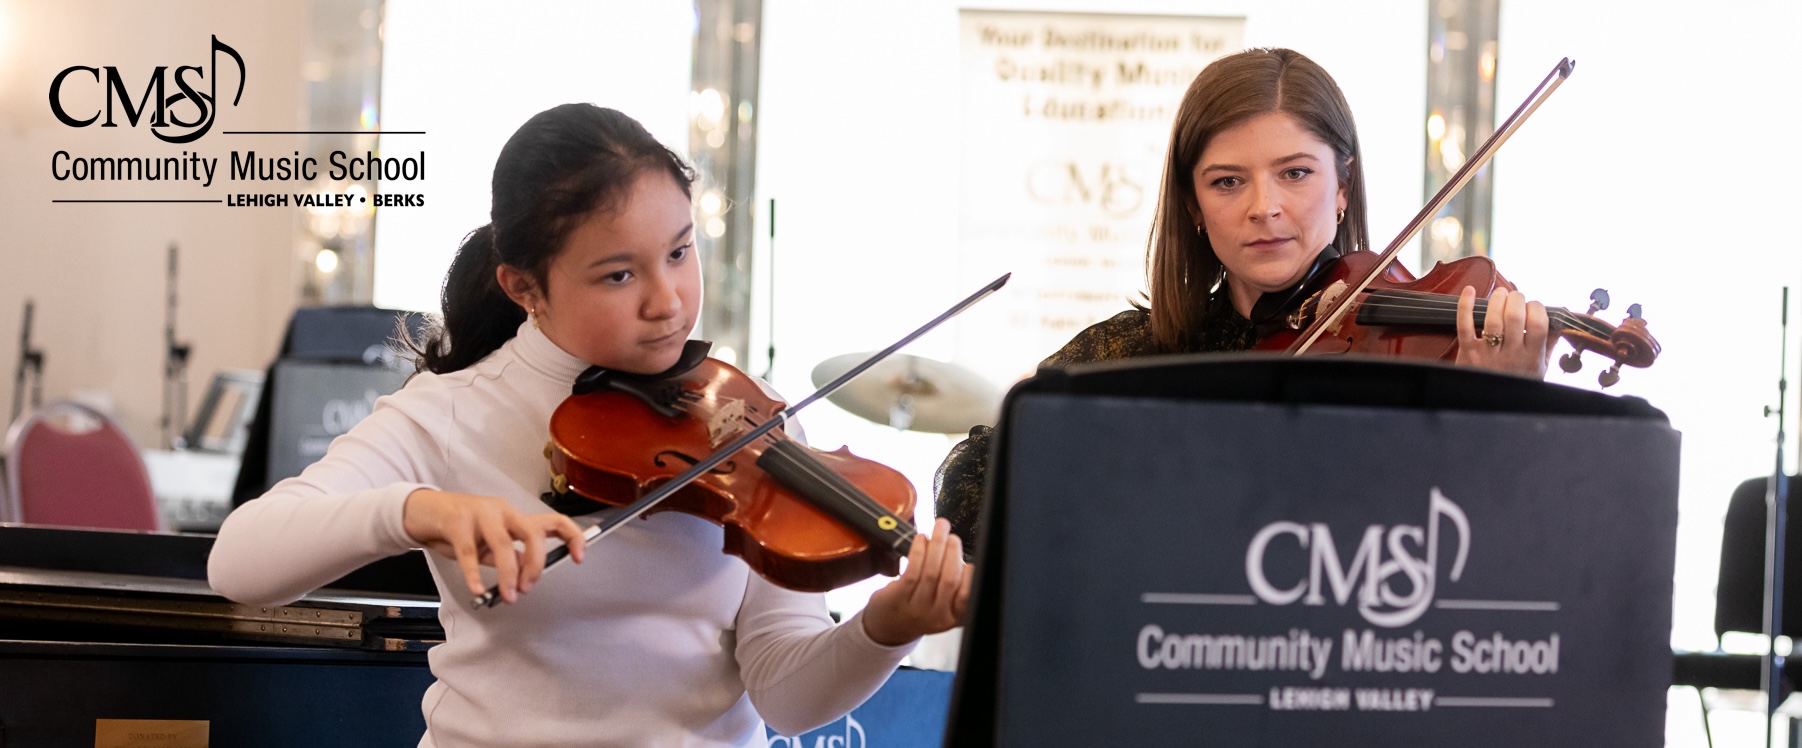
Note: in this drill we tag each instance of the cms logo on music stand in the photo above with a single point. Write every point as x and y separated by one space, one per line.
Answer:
853 737
188 107
1404 556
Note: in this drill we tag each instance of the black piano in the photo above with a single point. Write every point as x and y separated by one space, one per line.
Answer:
115 639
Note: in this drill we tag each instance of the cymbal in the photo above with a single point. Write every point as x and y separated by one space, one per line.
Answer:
912 393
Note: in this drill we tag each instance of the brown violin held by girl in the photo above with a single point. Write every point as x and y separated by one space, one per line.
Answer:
806 519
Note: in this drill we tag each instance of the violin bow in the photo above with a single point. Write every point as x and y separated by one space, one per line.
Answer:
637 508
1330 316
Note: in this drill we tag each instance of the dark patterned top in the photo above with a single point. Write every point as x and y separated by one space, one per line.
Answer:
959 482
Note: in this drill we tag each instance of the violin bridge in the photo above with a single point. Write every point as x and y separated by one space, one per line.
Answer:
726 422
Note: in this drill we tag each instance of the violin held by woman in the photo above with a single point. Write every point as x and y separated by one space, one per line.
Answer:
1260 224
1399 315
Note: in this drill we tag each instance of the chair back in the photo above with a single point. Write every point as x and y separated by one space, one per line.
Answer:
1739 588
70 465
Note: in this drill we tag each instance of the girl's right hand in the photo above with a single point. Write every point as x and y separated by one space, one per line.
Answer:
481 530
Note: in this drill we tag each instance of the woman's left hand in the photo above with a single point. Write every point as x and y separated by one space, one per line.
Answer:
1515 337
928 597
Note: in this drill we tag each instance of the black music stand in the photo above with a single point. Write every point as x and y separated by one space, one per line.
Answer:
1050 649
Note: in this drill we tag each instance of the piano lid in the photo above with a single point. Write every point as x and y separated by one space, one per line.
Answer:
70 584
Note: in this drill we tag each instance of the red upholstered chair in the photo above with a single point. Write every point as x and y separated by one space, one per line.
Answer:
68 464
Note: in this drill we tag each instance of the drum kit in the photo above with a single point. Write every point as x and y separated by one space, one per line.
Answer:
912 393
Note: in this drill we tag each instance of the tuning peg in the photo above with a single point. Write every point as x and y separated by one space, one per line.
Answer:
1598 300
1609 377
1633 312
1571 362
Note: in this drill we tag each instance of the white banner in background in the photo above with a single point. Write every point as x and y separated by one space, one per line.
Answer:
1066 118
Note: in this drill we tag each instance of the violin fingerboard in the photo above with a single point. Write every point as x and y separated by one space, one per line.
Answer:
791 464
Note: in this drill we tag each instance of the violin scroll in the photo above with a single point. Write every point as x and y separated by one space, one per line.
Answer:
1628 344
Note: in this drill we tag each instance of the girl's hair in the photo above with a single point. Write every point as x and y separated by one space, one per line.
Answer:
562 165
1182 266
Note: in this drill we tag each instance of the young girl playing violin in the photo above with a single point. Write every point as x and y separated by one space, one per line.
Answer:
1263 187
655 638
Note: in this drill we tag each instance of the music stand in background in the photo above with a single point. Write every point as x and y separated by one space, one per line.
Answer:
31 368
222 422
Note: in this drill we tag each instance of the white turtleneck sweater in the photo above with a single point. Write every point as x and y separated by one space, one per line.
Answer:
657 639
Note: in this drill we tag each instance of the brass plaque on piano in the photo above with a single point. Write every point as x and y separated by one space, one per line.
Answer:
150 733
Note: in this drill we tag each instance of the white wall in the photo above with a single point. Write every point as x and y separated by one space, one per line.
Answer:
469 73
1665 171
96 272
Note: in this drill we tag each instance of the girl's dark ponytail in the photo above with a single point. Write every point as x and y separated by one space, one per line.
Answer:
560 166
478 316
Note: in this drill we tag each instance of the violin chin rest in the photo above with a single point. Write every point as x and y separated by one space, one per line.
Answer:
597 378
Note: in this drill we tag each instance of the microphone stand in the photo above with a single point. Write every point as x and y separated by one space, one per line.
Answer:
175 368
31 363
770 360
1775 532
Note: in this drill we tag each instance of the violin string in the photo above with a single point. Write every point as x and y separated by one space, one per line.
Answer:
1439 315
857 499
1438 301
1439 311
1444 302
861 501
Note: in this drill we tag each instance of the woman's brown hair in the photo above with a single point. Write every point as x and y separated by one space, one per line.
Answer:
1182 266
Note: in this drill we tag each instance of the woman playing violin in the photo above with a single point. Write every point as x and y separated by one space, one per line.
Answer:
1263 188
656 638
